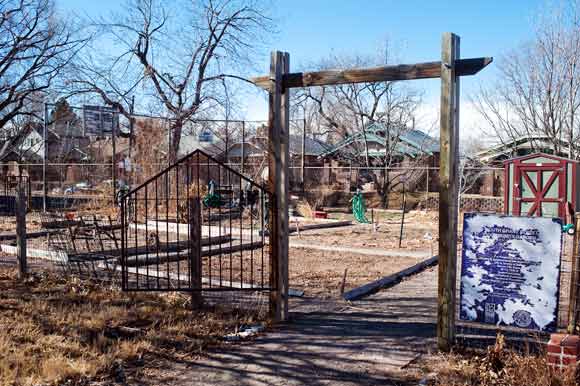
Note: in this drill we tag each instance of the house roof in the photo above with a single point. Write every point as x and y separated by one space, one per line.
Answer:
528 142
189 143
410 142
312 147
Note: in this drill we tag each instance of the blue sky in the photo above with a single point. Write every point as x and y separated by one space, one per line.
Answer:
310 30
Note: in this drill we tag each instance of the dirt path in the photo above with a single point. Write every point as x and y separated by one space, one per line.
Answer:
364 343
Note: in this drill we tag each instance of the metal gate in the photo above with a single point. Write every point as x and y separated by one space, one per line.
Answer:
196 226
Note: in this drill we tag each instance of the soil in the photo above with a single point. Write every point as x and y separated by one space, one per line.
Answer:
420 232
320 273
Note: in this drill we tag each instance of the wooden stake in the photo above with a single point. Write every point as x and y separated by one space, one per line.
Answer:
343 282
278 142
21 230
448 191
195 258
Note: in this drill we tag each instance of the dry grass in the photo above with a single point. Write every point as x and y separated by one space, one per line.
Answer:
57 330
500 367
304 209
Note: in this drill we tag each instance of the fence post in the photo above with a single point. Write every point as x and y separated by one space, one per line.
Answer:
195 251
574 280
114 155
21 229
44 159
243 149
303 156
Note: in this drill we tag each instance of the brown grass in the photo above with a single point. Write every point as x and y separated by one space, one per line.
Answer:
56 330
501 367
304 209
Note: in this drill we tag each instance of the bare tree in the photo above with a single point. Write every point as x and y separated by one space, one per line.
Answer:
470 169
346 110
538 90
178 60
35 46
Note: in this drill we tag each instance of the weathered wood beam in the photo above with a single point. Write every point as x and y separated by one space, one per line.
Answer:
463 67
195 260
388 281
448 193
152 258
172 246
278 161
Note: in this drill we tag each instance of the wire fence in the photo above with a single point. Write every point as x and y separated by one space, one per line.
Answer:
87 153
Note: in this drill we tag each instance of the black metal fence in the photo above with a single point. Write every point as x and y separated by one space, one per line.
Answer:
197 225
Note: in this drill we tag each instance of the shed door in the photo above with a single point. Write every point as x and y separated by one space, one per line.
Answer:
540 191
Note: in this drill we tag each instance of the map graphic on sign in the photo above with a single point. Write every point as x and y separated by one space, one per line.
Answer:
510 270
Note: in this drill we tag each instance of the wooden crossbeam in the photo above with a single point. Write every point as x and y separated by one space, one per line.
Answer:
463 67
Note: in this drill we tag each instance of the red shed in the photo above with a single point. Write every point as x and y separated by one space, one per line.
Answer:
541 185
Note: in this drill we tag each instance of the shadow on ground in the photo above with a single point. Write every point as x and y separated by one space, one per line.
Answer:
368 342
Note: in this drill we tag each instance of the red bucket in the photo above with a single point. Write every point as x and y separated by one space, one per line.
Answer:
320 214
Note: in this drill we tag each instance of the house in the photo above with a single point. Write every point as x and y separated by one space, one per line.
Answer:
256 147
411 152
522 146
255 150
403 145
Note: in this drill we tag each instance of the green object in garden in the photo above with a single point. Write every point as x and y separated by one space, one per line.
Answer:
359 208
568 228
212 199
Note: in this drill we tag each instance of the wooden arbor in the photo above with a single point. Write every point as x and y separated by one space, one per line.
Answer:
279 82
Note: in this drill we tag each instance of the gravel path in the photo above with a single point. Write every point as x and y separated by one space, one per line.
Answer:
331 343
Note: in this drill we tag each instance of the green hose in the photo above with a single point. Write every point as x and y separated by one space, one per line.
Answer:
359 208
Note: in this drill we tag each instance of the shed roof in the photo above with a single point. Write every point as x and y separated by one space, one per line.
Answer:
539 155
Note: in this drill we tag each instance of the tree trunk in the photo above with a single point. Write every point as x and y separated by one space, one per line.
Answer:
174 138
385 189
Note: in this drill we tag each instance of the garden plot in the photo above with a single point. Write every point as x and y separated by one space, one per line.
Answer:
419 233
321 273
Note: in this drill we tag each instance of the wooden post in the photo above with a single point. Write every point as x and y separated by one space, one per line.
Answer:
303 157
45 159
278 141
448 191
574 280
243 147
195 258
403 208
21 229
427 188
114 155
